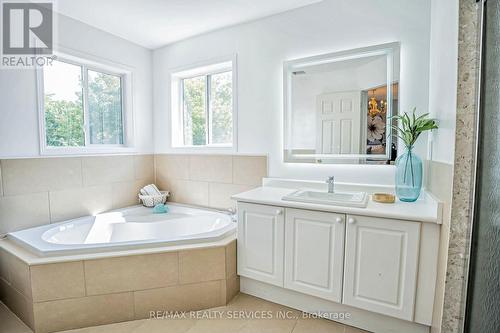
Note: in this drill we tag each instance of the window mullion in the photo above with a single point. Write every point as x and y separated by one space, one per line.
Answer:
86 122
207 111
182 106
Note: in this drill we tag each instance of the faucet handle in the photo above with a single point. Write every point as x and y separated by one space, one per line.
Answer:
330 179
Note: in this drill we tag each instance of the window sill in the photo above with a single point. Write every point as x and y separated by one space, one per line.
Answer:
65 151
205 149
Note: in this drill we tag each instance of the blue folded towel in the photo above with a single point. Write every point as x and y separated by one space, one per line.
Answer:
160 209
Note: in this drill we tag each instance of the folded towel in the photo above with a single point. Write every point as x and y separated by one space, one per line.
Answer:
160 209
150 189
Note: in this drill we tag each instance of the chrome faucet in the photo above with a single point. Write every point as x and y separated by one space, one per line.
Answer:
331 184
233 213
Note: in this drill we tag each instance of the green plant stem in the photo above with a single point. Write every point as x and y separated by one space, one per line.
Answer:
406 168
412 174
409 158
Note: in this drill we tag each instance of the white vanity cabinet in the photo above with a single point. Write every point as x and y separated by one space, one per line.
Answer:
377 263
369 263
261 242
314 253
381 259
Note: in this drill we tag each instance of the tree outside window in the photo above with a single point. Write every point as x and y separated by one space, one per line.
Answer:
77 101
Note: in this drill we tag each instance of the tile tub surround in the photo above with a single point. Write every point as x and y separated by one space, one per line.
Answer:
66 295
37 191
208 180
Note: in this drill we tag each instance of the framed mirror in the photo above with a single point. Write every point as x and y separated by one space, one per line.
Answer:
338 106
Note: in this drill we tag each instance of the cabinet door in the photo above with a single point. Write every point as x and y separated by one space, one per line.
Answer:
381 265
314 253
261 242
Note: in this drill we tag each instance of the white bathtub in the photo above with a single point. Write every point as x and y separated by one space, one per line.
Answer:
128 228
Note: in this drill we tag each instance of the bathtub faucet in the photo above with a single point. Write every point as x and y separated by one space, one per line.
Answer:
233 213
331 184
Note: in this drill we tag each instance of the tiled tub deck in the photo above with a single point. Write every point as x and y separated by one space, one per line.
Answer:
58 296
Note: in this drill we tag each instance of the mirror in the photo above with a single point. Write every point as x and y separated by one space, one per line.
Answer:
338 106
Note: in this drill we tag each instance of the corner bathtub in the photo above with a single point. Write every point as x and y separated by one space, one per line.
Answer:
128 228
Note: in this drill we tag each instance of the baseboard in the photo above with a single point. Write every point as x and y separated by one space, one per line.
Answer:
366 320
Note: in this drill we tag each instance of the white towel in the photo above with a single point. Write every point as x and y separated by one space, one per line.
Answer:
151 189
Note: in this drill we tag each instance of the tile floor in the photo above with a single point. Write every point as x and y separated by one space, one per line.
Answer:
242 305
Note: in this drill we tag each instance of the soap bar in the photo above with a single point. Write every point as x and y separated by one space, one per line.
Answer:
384 197
160 209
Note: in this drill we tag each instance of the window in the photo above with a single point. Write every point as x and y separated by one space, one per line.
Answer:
83 107
203 107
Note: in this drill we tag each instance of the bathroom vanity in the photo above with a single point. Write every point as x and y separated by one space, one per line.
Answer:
378 263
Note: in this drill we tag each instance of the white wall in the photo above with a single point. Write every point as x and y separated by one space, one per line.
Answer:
263 45
442 105
19 135
443 78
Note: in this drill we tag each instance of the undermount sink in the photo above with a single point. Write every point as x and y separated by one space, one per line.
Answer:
348 199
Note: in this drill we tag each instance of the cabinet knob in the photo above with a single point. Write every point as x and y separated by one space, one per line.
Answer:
279 211
338 220
351 220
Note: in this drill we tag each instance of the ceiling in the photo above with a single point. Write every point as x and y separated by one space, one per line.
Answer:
155 23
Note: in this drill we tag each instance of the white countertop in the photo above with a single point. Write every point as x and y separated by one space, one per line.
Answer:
425 209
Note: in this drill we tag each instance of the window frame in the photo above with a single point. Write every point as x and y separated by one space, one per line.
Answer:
206 69
87 62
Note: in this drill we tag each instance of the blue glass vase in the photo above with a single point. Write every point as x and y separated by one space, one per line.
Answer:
408 176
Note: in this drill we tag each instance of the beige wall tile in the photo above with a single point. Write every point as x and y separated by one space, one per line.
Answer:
10 323
164 184
440 180
219 195
172 166
98 170
211 168
178 298
4 268
31 175
186 191
144 167
23 211
231 259
19 275
73 203
231 288
71 313
120 274
57 281
249 170
202 265
17 303
126 193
